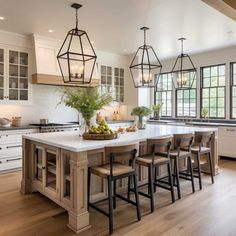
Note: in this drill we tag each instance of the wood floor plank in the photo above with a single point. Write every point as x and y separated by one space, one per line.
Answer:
211 211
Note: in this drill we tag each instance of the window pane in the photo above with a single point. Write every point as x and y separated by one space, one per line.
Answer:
213 98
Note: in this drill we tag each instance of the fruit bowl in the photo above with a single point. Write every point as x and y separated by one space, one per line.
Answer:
89 136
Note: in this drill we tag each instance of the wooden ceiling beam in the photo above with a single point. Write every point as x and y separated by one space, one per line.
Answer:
227 7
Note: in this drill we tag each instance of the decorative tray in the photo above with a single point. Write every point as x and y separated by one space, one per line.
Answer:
88 136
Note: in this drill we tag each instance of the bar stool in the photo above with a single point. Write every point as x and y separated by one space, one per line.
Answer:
114 170
158 151
182 151
202 146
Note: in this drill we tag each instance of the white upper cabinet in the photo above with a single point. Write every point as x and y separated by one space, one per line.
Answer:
14 75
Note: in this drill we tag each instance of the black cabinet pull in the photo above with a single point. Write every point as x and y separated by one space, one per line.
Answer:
43 167
16 146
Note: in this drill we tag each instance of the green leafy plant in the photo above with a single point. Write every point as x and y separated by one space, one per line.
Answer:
86 101
141 111
204 112
157 107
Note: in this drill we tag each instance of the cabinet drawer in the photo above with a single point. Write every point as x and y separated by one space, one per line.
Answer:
8 138
227 131
8 152
14 164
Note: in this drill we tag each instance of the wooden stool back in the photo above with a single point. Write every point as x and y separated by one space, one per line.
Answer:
121 154
160 146
203 138
183 141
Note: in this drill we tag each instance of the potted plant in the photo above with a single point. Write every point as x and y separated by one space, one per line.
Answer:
204 113
156 110
141 112
87 101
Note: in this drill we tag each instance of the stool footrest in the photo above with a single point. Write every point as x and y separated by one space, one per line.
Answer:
99 209
126 199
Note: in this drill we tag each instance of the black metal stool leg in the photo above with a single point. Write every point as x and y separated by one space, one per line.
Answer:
155 177
191 172
150 184
177 177
136 197
211 168
114 194
129 188
199 170
171 182
110 200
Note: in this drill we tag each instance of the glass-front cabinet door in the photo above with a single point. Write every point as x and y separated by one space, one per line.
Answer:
18 82
2 74
52 175
38 164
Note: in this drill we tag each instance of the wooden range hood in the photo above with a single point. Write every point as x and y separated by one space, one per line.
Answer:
227 7
58 81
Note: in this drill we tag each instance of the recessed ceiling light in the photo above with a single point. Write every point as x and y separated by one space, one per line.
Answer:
50 30
2 18
125 50
92 42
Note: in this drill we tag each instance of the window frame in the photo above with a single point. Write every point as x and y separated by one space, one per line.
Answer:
231 85
201 89
172 91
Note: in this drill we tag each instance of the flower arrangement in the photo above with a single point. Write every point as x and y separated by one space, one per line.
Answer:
156 110
141 112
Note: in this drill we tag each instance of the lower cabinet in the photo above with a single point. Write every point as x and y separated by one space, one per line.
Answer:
226 142
51 172
11 148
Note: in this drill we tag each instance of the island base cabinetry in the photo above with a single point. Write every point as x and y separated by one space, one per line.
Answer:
59 175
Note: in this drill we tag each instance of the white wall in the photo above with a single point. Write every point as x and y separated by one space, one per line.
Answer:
45 98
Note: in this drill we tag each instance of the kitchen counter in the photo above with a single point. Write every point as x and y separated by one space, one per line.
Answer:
56 165
17 128
71 141
190 123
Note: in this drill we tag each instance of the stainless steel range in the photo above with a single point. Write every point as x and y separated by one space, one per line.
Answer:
56 127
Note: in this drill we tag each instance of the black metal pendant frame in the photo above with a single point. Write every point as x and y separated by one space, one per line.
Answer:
182 71
146 65
71 56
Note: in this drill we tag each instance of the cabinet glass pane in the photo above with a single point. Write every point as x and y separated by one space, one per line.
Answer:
51 161
1 55
13 82
1 69
23 58
13 70
13 57
23 83
1 94
23 71
23 95
66 171
1 81
38 164
13 94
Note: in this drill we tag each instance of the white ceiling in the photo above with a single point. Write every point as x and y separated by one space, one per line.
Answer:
114 25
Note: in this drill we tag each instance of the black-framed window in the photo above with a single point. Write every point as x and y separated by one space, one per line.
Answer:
213 90
163 94
186 100
233 90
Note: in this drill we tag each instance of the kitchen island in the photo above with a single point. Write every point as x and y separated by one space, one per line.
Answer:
55 164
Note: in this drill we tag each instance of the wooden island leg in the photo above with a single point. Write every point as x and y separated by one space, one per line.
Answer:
26 182
78 214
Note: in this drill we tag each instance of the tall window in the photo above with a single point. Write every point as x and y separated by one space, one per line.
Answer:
213 90
186 101
233 89
164 95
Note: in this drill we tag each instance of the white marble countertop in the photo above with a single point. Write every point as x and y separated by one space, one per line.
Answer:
73 142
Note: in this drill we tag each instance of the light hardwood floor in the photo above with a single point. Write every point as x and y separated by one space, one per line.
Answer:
211 211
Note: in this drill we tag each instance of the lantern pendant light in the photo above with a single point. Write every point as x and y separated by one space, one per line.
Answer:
145 67
77 57
184 72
